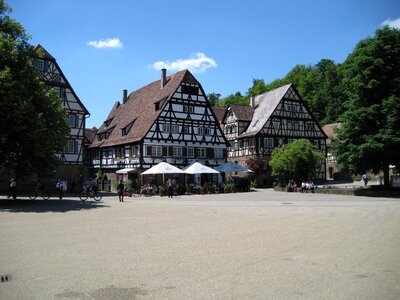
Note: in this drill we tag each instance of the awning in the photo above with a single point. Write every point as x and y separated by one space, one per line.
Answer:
127 170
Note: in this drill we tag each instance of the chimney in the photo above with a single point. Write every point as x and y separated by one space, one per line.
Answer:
124 96
163 77
252 101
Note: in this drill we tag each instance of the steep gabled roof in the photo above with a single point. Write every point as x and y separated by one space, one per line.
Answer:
242 112
39 48
90 134
265 105
219 113
330 132
42 53
138 113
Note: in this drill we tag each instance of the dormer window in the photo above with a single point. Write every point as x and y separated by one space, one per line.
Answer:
108 122
127 128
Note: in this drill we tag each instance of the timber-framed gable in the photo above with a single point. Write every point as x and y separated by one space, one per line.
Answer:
279 118
72 157
173 122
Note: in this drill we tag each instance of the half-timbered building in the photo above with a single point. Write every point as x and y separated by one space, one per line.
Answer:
72 157
272 119
168 120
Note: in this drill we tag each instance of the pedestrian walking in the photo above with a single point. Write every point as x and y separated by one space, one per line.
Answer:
60 188
120 189
13 189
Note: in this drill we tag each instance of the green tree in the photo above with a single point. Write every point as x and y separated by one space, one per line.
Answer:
213 98
297 160
32 122
369 137
237 98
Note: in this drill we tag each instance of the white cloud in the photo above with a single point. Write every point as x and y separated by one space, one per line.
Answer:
392 23
198 63
107 43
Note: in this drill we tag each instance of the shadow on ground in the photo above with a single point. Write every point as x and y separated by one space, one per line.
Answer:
44 206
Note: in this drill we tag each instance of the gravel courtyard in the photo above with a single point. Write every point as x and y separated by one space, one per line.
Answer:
257 245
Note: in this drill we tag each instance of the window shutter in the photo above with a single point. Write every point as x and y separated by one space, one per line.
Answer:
184 152
76 147
225 153
170 150
148 150
165 151
195 152
210 153
76 121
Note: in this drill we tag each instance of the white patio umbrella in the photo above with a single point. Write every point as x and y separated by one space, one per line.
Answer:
198 168
230 166
163 168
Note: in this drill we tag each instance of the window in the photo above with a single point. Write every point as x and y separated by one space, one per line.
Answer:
276 124
269 142
316 143
166 128
127 128
188 109
290 125
186 129
156 151
175 129
200 130
208 131
177 151
201 152
70 147
190 152
192 90
309 125
39 64
218 153
72 121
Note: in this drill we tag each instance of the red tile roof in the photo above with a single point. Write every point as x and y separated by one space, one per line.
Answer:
242 112
140 109
219 113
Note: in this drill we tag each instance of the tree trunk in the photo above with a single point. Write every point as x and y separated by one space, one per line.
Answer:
386 180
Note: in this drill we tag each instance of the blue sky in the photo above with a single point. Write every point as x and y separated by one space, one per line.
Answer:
104 47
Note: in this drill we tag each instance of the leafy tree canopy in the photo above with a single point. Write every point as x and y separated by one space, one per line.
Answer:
213 98
32 122
297 160
369 137
237 98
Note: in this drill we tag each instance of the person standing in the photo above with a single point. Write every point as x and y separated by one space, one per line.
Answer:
13 189
365 178
60 188
170 188
120 189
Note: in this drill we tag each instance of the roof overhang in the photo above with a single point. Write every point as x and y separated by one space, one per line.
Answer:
128 170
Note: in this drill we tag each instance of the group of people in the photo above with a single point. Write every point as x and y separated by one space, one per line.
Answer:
306 186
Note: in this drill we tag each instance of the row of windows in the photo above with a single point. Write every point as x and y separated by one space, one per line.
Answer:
292 125
268 143
186 129
230 129
191 152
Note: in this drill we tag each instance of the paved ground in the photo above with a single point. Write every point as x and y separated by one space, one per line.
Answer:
257 245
